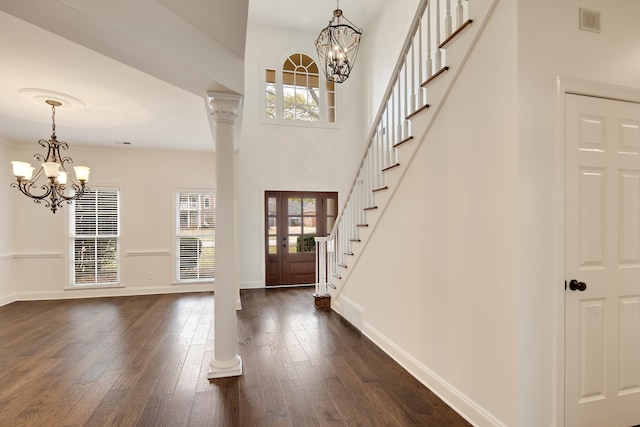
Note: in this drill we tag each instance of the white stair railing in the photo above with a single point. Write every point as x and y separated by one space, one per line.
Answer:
421 58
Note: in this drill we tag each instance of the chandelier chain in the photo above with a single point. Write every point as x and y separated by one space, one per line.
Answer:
53 120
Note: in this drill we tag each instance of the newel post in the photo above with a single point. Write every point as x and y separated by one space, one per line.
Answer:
322 298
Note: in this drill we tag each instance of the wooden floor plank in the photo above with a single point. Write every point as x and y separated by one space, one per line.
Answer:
143 361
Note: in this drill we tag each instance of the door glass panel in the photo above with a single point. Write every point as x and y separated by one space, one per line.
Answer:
295 225
272 225
309 212
272 235
295 206
271 206
330 222
332 207
295 245
306 242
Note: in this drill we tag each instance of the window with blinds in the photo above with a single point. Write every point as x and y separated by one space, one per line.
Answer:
95 238
196 225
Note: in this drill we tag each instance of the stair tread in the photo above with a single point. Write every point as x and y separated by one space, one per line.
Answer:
437 74
424 107
453 35
407 139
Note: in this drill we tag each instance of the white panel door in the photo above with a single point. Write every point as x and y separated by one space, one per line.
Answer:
602 323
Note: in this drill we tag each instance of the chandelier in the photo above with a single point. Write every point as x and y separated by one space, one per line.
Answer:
337 46
53 190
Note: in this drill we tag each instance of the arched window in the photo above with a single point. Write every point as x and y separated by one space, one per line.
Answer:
299 92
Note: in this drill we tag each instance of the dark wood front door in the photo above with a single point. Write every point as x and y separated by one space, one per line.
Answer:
293 219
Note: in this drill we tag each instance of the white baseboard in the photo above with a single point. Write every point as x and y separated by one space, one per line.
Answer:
462 404
252 285
119 291
8 299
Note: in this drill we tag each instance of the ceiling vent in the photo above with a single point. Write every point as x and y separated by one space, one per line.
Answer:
589 20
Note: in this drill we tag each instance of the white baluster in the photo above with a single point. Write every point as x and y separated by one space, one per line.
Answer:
459 14
399 118
413 100
406 93
429 64
448 28
438 54
417 83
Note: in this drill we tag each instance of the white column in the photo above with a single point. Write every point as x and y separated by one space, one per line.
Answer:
226 362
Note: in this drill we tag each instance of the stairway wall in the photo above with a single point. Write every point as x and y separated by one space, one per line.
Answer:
436 284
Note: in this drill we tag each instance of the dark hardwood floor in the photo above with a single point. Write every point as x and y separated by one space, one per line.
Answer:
143 361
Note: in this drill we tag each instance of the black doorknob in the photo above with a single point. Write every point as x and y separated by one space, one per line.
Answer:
574 285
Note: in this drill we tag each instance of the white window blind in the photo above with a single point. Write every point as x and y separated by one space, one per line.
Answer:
95 234
196 224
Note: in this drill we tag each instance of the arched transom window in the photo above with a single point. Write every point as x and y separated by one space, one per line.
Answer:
299 92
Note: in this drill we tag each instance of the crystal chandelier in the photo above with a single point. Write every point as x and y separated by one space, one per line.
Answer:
52 169
337 46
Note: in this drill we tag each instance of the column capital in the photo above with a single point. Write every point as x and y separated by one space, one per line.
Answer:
224 106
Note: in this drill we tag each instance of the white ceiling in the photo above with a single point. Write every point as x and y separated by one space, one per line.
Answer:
139 67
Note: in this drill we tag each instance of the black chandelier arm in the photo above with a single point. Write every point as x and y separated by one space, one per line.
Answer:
58 198
79 190
53 196
44 143
25 186
53 147
66 159
349 24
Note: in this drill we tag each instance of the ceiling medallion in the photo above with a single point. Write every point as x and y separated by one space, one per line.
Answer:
38 96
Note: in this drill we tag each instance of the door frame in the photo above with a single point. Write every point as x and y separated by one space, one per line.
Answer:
262 225
563 87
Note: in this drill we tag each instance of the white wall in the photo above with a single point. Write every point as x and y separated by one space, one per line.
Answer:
551 44
148 181
445 301
287 157
6 259
377 57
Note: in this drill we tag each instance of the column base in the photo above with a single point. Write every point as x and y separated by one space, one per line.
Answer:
225 370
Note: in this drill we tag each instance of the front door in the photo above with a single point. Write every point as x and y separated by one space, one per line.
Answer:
602 300
293 219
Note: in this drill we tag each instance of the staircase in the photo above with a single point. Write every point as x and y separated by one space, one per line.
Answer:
441 36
